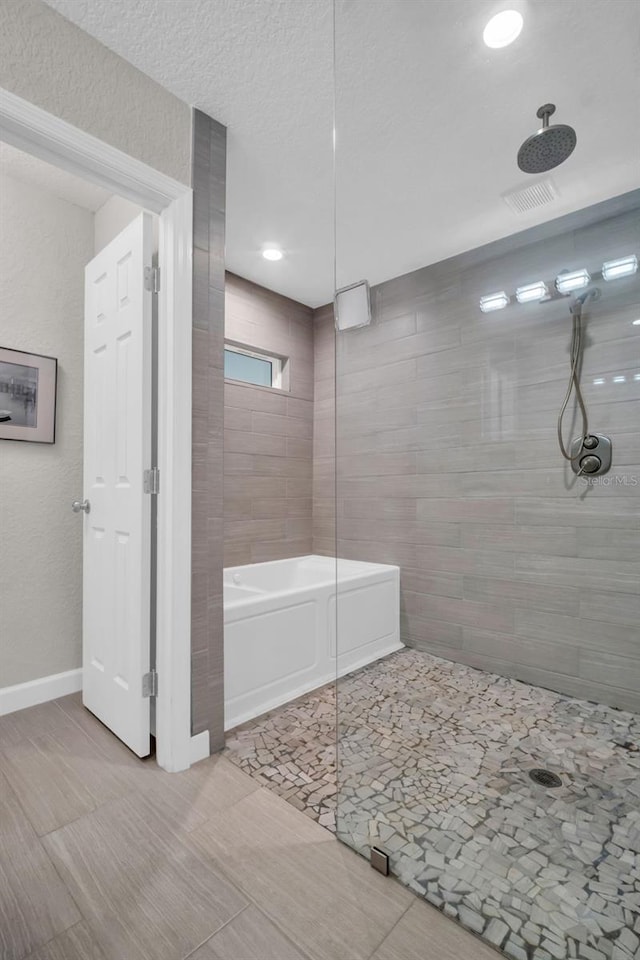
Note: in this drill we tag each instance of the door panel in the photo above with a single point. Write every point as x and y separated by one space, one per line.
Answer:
117 445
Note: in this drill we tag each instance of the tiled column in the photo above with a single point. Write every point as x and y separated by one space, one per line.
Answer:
207 623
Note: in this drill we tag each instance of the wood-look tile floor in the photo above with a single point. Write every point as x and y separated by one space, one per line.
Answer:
106 857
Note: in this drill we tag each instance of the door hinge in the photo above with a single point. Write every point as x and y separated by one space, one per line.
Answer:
150 684
152 480
152 279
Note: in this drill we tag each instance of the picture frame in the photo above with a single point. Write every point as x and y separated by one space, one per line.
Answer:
28 388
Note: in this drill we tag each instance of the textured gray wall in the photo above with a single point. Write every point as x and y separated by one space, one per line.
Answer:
52 63
268 433
207 624
448 463
45 244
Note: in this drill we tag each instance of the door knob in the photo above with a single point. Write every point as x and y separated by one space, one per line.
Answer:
78 506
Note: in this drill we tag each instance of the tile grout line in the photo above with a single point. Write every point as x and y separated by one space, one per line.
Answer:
87 813
25 814
178 836
65 886
216 932
101 756
130 791
253 903
79 726
393 926
62 933
272 919
84 919
219 868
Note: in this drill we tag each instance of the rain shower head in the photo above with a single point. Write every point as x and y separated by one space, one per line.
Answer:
549 147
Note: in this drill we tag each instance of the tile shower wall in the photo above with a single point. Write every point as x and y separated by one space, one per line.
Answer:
448 463
207 621
324 424
268 433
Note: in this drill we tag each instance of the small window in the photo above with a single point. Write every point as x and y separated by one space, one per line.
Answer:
260 369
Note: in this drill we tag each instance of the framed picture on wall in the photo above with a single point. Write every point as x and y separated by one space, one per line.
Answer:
27 396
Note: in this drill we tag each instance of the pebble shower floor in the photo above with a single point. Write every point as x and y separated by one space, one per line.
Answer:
434 768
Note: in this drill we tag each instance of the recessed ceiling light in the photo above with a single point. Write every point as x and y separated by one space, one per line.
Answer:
271 252
503 29
636 323
494 301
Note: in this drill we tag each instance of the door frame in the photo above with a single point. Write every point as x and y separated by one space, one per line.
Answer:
33 130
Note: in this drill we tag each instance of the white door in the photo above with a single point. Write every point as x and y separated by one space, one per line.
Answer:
117 451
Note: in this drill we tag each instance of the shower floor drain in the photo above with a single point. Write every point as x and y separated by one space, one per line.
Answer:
545 778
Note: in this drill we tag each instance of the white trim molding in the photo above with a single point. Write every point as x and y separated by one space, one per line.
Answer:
32 129
43 135
200 749
33 692
173 622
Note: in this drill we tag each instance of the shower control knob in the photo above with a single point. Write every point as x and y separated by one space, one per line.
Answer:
583 463
590 464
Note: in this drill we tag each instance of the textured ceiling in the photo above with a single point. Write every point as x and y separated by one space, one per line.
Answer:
428 119
29 169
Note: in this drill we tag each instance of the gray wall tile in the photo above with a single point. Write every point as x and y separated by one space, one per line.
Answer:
557 657
447 462
611 608
268 433
207 669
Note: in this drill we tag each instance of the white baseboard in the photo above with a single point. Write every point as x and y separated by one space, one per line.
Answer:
199 747
32 692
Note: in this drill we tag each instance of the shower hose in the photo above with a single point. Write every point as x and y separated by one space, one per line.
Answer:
574 383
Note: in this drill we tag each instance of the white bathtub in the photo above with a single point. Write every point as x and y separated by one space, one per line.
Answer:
280 628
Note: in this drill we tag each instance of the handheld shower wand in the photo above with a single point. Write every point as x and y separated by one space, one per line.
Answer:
582 460
575 309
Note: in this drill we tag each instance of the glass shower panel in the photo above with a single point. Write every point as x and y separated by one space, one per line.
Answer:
489 727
